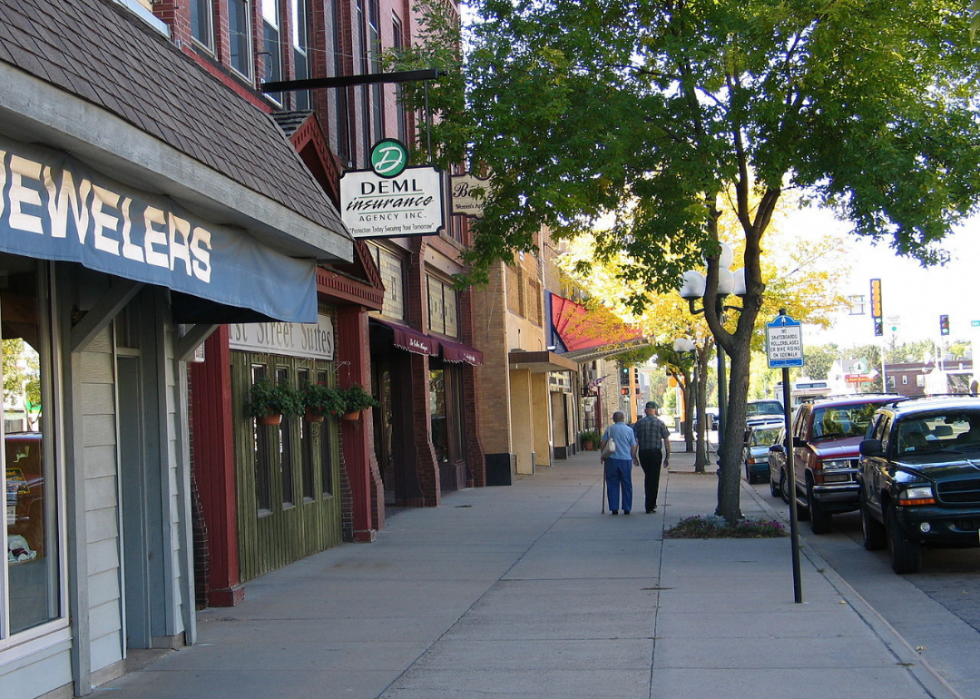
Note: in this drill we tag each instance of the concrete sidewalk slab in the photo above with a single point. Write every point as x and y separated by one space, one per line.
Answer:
529 591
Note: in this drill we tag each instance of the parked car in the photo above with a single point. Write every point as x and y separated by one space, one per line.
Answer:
777 467
757 411
919 480
755 455
826 434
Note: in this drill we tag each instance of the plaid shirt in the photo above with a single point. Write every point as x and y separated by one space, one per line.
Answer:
650 432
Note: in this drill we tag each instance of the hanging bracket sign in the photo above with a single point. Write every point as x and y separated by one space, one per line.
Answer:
469 194
392 200
784 342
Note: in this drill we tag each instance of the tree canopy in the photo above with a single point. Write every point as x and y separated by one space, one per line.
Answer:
650 112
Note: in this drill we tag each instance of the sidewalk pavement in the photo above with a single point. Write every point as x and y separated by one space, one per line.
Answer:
529 591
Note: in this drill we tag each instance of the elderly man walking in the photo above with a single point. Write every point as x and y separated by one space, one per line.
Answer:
654 441
619 464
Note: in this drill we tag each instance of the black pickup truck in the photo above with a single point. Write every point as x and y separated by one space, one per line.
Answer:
920 478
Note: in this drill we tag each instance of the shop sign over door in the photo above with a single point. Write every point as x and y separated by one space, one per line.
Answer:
303 340
391 200
54 207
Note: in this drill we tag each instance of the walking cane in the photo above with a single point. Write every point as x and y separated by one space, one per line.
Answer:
603 463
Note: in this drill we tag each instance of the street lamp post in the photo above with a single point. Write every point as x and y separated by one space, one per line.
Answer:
692 289
681 345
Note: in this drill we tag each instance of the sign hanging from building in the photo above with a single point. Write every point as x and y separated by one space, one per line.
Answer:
469 194
303 340
54 207
392 200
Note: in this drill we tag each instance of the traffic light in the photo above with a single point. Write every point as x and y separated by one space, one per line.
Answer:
624 376
876 307
625 391
944 325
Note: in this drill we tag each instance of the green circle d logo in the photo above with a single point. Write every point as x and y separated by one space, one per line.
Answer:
388 158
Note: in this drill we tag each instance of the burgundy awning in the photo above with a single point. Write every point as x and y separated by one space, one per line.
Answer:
458 353
410 339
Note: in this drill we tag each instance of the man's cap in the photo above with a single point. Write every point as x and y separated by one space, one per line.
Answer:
652 404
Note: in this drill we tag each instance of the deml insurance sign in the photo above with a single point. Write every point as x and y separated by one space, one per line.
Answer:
381 207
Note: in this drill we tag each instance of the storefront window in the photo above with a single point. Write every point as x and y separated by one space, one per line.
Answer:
437 406
326 447
263 470
285 445
31 575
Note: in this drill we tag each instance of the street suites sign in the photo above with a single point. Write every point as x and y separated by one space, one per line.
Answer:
391 200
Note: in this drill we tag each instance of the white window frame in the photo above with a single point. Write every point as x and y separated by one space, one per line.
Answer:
50 633
197 5
248 50
272 17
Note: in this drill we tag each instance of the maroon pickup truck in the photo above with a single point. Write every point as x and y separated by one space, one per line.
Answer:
827 434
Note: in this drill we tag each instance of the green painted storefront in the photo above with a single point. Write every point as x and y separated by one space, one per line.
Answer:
287 475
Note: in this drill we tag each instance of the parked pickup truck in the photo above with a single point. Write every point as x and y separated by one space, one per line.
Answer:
826 434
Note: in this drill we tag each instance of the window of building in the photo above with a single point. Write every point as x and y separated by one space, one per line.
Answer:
240 36
534 301
263 466
286 445
326 448
301 51
31 590
374 66
905 379
306 430
443 307
401 117
514 290
202 23
272 49
920 380
393 277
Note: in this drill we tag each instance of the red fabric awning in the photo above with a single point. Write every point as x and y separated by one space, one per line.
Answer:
410 339
458 353
583 328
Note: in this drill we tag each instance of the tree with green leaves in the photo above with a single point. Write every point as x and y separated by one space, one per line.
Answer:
659 115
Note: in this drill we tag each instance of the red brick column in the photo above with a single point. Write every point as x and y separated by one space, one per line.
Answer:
214 465
354 360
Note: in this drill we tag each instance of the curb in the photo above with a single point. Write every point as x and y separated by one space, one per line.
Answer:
927 676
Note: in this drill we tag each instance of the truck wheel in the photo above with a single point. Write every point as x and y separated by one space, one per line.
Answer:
906 554
872 531
774 488
783 485
819 518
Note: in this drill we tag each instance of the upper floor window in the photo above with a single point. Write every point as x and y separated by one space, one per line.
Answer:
398 42
393 276
301 50
202 23
443 307
240 36
272 38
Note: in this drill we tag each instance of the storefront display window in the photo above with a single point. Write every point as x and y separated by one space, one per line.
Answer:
31 573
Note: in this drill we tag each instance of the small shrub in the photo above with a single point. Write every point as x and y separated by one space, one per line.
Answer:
714 527
322 400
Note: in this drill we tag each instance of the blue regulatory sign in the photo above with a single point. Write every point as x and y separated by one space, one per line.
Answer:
784 342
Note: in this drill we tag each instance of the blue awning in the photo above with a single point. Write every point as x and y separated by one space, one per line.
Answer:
54 207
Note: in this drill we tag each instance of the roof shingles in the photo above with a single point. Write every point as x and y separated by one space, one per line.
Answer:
125 67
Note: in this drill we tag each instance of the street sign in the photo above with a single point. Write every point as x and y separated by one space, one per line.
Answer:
784 342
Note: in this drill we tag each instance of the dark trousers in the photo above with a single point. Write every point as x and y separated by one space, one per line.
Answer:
651 461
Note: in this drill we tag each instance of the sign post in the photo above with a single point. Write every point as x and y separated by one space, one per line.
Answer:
784 349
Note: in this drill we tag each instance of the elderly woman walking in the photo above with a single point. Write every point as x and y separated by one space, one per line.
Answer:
618 465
